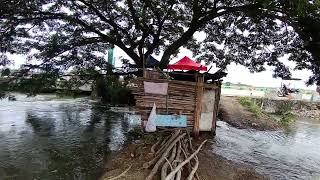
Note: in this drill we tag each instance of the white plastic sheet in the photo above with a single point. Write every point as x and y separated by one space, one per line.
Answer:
151 123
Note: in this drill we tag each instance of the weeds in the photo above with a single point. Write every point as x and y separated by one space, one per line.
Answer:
287 118
146 138
251 106
284 110
284 107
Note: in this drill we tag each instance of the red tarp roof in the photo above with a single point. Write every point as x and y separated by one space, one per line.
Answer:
187 64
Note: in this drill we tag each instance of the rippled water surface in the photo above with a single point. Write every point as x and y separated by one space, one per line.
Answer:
48 138
294 154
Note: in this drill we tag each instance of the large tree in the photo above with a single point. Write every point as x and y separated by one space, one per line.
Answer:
253 33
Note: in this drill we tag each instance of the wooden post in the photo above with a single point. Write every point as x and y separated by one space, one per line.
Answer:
216 109
198 101
143 64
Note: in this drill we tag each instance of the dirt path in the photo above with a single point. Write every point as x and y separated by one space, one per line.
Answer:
236 115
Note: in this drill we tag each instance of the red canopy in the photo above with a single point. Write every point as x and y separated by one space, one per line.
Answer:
187 64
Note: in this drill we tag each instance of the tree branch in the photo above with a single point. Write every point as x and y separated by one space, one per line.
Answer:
109 21
134 16
196 24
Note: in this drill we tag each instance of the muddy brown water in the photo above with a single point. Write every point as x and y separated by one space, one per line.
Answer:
48 138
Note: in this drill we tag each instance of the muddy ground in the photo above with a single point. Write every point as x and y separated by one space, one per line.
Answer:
232 112
211 167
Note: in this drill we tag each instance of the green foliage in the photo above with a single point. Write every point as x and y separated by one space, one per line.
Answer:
36 83
101 85
146 138
284 110
287 118
134 134
251 105
5 72
31 84
111 91
284 107
2 94
84 30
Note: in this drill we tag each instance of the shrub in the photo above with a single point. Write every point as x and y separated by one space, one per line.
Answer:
284 110
113 92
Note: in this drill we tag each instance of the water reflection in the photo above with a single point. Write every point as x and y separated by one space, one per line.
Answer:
291 155
48 138
40 126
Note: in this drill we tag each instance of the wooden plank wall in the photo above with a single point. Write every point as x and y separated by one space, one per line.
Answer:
181 99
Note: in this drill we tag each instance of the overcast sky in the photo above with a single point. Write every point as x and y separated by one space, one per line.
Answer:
240 74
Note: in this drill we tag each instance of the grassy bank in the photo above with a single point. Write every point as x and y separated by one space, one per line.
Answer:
244 114
251 105
284 111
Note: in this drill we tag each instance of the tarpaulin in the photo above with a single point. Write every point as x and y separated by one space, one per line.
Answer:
187 64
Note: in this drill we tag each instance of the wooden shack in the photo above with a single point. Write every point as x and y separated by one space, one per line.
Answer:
197 101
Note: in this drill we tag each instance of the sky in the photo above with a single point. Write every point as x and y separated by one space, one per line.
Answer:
236 73
240 74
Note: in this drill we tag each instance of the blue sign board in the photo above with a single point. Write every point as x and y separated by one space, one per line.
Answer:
171 120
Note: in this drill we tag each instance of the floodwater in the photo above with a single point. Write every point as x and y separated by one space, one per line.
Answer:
293 154
48 138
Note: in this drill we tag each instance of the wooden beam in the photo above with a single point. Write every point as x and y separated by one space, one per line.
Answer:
216 109
198 100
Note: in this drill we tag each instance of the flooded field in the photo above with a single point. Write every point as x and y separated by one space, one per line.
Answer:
48 138
294 154
44 137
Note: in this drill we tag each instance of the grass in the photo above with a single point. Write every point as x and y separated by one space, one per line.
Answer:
287 118
284 111
251 106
